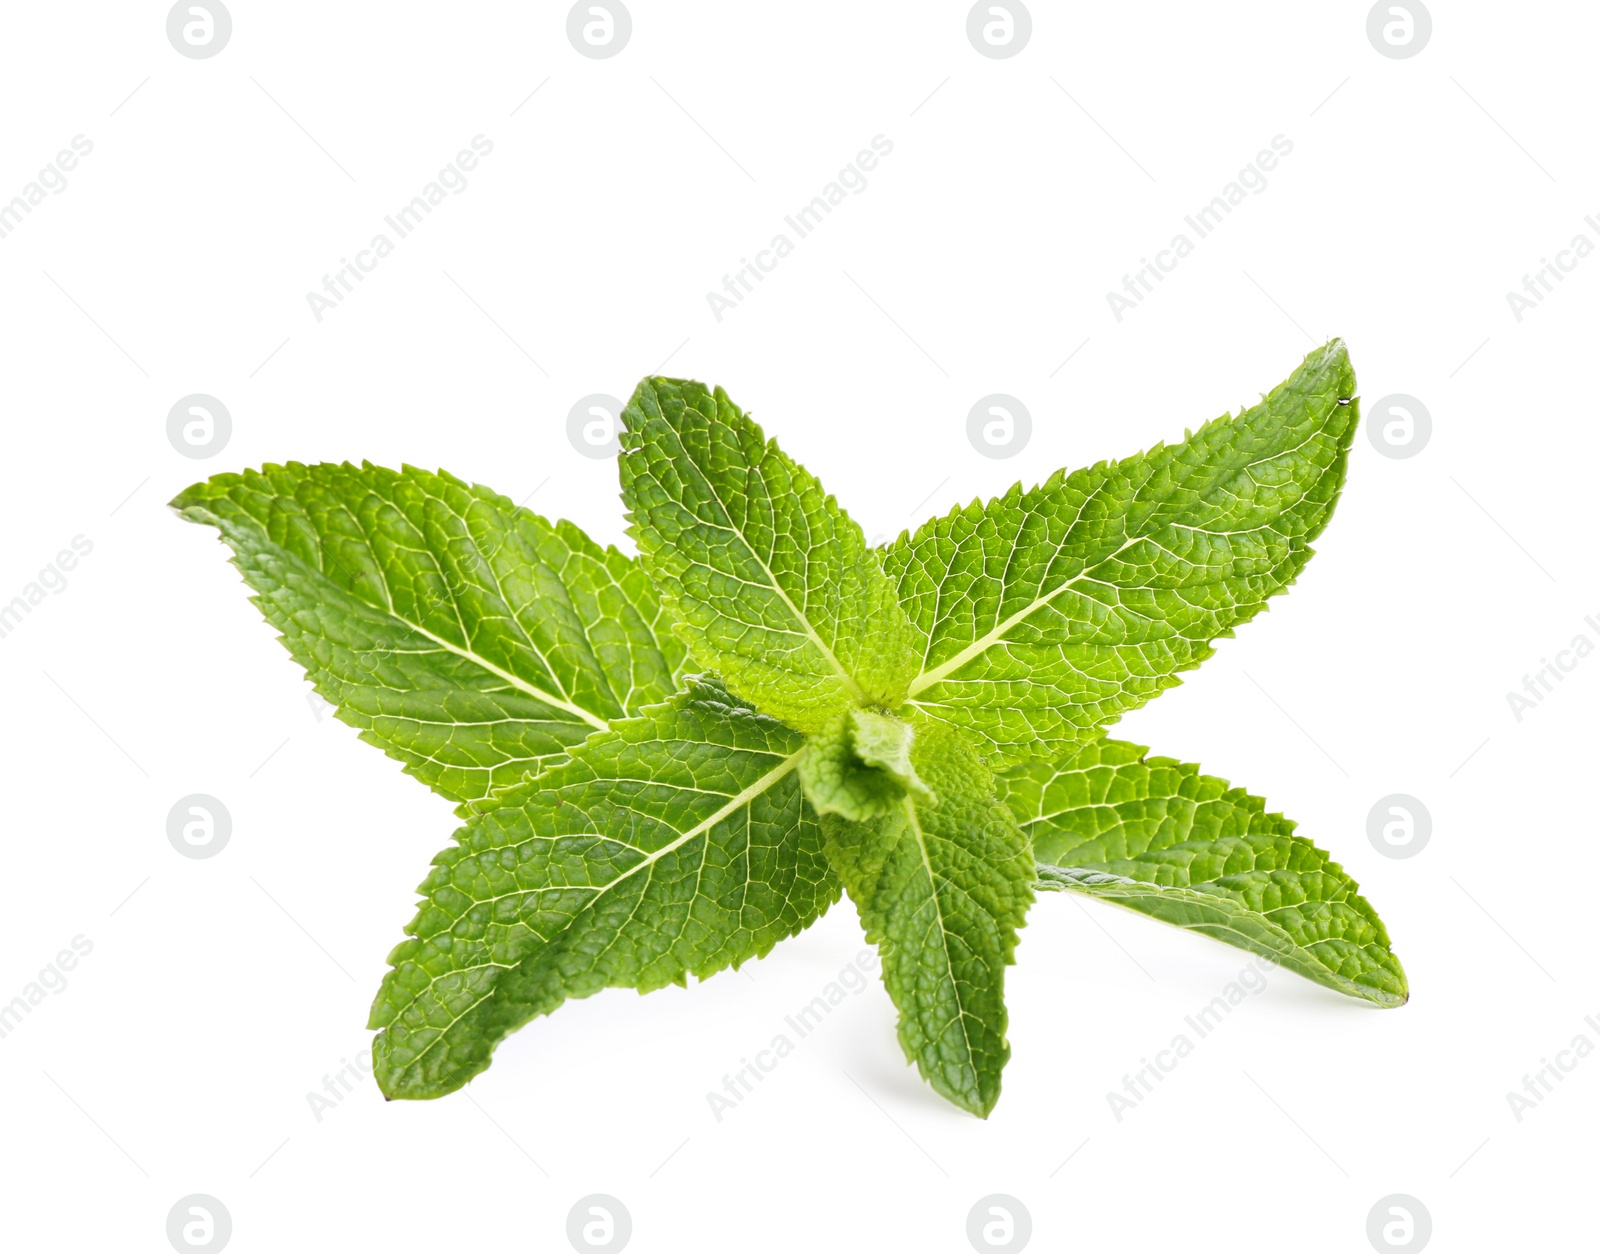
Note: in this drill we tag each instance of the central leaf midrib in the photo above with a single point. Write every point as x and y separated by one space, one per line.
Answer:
992 637
256 540
844 676
944 933
383 578
928 678
742 798
550 699
1293 954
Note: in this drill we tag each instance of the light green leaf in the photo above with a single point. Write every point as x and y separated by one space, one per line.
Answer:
1046 614
771 583
942 887
860 766
466 637
677 844
1159 837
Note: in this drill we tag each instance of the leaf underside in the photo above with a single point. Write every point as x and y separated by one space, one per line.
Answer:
1160 838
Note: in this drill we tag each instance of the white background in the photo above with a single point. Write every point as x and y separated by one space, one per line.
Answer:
177 260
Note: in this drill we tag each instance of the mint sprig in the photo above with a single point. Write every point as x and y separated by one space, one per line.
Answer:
668 764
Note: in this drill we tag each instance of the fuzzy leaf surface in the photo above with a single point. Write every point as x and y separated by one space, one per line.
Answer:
770 581
468 638
676 844
1046 614
942 886
1161 838
860 767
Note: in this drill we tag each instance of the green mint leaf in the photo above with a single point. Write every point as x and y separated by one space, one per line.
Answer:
771 583
468 638
1046 614
860 766
1159 837
677 844
942 886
